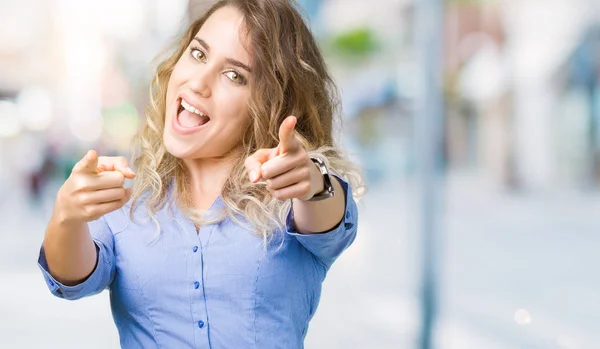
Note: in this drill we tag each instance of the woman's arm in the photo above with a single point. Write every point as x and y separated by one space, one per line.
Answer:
94 188
311 217
70 251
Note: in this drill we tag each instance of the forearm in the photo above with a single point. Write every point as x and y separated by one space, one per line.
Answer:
312 217
70 251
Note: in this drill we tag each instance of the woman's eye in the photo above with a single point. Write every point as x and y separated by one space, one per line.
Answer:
235 77
198 54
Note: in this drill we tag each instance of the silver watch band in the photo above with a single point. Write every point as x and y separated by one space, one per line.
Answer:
328 186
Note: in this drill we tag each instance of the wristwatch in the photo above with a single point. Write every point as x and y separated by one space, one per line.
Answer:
328 187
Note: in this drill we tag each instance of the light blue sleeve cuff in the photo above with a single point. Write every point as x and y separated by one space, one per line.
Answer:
95 283
328 246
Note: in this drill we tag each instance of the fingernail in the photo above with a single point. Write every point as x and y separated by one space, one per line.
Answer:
253 176
128 169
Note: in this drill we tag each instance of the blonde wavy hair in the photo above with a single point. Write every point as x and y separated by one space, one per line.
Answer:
289 77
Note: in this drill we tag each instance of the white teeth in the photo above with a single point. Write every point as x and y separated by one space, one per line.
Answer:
190 108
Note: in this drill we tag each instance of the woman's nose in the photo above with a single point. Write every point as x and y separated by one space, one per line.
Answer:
201 82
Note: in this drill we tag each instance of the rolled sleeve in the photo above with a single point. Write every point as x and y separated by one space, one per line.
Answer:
328 246
102 275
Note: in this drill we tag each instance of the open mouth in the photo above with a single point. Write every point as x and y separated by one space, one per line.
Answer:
190 117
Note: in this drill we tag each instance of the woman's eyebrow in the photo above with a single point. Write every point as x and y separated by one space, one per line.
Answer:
231 61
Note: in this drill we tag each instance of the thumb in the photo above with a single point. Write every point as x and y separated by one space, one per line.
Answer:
88 164
117 163
255 161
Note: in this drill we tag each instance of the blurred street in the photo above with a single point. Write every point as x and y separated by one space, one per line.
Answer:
502 253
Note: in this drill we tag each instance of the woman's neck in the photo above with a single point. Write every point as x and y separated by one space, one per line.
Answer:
207 178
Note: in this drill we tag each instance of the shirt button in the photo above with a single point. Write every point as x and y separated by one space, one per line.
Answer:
347 214
200 323
196 284
51 283
195 249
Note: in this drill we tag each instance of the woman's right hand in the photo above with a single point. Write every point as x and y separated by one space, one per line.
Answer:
94 188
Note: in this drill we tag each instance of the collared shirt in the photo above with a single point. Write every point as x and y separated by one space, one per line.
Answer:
219 288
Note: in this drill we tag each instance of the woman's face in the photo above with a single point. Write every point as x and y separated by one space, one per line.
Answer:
208 92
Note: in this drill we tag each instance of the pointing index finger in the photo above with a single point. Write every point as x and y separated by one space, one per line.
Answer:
88 164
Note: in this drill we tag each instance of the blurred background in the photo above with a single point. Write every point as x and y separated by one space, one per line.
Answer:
517 202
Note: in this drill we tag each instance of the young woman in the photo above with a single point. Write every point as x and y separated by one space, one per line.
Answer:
241 201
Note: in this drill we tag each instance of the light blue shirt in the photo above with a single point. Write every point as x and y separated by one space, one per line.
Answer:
217 289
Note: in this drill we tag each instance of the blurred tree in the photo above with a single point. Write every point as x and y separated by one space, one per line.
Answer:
358 42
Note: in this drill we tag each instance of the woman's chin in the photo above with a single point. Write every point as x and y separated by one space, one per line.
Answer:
182 151
174 147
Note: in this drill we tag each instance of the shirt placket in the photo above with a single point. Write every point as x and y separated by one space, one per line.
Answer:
197 282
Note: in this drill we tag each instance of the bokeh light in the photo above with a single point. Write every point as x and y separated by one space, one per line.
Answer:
35 108
522 317
9 119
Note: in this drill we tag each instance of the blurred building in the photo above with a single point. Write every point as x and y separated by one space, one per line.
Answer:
505 102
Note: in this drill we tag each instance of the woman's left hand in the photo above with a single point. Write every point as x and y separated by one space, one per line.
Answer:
288 171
